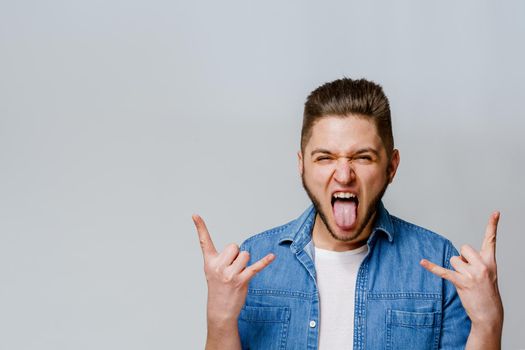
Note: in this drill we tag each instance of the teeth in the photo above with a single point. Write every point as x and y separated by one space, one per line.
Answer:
344 195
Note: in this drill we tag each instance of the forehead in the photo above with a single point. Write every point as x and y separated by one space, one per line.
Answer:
346 133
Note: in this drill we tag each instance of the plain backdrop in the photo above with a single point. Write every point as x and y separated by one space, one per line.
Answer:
119 119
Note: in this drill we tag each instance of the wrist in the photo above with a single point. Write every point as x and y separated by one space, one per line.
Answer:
491 322
222 329
484 336
492 327
223 336
221 322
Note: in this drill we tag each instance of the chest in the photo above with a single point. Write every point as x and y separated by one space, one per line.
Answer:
381 312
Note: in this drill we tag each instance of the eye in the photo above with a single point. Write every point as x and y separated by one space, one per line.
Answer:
322 158
364 158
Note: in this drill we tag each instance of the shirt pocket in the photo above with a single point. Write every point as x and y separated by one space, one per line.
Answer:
264 327
412 330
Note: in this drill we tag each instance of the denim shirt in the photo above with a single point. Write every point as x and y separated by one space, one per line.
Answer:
398 304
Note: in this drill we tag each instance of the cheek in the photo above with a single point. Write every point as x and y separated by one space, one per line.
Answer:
320 175
317 178
372 180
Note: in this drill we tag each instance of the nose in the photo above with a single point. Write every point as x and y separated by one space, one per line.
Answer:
344 173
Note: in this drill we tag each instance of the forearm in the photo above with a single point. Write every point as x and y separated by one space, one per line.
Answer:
223 336
486 337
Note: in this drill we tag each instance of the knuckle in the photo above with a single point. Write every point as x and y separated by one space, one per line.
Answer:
454 260
244 258
484 271
208 268
227 279
232 247
238 282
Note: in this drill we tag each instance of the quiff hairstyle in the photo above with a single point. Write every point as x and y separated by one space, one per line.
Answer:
346 97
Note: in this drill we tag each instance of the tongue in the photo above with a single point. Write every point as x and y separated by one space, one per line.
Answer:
345 213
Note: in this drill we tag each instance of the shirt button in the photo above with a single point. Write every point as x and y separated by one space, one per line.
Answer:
312 324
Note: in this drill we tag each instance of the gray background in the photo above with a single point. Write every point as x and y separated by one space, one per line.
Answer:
119 119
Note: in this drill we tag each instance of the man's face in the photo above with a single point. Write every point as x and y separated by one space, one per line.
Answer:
345 171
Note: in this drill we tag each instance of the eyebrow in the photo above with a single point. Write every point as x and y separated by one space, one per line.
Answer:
359 151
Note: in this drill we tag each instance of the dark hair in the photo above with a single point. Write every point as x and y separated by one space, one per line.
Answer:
346 97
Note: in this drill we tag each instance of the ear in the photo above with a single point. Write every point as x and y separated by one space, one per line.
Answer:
300 164
392 166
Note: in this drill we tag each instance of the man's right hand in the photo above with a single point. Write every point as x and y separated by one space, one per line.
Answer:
227 276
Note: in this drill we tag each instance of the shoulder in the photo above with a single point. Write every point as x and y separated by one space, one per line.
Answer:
286 232
268 238
412 236
405 228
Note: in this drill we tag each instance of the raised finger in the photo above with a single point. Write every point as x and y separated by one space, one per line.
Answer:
256 267
488 248
205 241
439 271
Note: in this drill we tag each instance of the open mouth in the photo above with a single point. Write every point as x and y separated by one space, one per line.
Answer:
344 207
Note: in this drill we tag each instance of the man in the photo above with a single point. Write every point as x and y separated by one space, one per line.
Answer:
346 274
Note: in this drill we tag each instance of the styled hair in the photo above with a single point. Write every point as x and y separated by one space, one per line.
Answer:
346 97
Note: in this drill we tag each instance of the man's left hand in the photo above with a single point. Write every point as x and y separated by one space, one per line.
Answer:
476 280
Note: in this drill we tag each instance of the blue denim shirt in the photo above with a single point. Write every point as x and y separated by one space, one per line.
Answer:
398 304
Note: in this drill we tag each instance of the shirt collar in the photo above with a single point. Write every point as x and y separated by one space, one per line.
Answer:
300 230
383 223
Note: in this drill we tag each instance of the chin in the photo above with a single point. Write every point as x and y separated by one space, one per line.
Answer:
344 235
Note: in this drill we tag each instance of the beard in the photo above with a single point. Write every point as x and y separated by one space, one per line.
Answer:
371 209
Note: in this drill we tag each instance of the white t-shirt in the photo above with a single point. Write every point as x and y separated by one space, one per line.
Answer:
336 278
